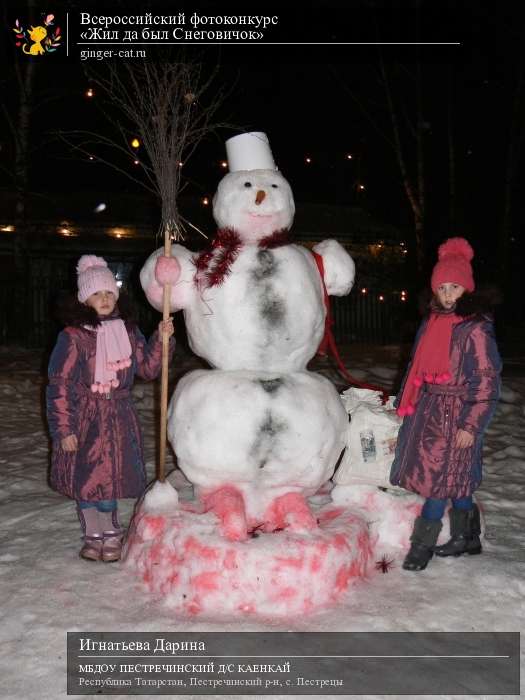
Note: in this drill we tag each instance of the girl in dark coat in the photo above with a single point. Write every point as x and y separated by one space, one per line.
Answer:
97 441
447 398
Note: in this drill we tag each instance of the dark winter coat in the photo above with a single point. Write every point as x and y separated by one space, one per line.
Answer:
427 461
109 462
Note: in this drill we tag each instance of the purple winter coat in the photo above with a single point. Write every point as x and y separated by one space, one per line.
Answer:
426 460
109 462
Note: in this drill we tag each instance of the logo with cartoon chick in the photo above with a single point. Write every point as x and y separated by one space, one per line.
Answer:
36 41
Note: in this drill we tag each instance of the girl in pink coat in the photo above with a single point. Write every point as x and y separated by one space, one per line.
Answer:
97 454
447 398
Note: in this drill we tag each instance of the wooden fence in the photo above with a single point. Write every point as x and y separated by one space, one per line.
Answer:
374 317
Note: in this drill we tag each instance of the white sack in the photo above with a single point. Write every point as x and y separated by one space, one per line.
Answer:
371 441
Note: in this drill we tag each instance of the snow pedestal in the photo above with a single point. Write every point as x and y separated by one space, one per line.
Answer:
183 557
390 516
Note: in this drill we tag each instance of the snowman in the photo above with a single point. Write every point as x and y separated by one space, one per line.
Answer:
256 434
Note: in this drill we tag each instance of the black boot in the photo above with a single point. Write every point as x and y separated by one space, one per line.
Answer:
424 537
465 530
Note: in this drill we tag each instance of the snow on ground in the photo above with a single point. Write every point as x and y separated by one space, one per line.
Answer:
47 590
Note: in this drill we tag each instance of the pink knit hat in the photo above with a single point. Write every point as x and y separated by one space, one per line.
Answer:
94 275
453 265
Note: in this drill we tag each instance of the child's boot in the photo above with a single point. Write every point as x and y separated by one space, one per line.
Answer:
424 537
113 535
93 539
465 530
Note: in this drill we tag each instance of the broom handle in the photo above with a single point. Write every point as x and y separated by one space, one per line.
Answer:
164 374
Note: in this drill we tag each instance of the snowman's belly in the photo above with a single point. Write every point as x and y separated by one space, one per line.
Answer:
258 431
267 315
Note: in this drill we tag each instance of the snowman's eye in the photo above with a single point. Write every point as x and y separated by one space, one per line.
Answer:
247 184
276 186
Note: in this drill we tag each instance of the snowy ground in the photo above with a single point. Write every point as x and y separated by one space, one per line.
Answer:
47 590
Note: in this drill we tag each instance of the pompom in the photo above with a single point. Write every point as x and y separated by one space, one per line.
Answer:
87 261
417 381
456 246
429 378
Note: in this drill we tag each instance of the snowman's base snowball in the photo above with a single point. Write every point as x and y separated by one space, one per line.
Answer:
183 558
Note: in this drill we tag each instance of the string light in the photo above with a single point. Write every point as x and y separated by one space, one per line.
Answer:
361 187
137 162
90 92
64 228
91 158
364 290
307 160
180 164
381 297
7 229
205 201
224 164
349 156
135 143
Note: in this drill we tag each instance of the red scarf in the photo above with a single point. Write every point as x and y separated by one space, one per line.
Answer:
431 360
214 264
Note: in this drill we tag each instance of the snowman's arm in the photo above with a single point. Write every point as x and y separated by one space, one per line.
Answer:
339 268
179 271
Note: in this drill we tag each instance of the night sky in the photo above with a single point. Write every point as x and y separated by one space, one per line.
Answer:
325 102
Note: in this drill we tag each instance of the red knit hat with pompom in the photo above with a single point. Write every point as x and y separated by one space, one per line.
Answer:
453 264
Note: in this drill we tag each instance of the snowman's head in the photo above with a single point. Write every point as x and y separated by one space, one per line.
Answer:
254 203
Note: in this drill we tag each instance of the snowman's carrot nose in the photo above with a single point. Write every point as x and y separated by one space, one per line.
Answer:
261 194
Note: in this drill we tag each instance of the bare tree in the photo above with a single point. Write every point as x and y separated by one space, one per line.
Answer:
19 124
515 145
414 186
170 106
451 151
404 135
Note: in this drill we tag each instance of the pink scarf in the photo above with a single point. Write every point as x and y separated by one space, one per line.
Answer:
113 354
431 363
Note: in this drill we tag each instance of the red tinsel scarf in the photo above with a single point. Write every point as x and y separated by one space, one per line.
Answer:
214 264
431 360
